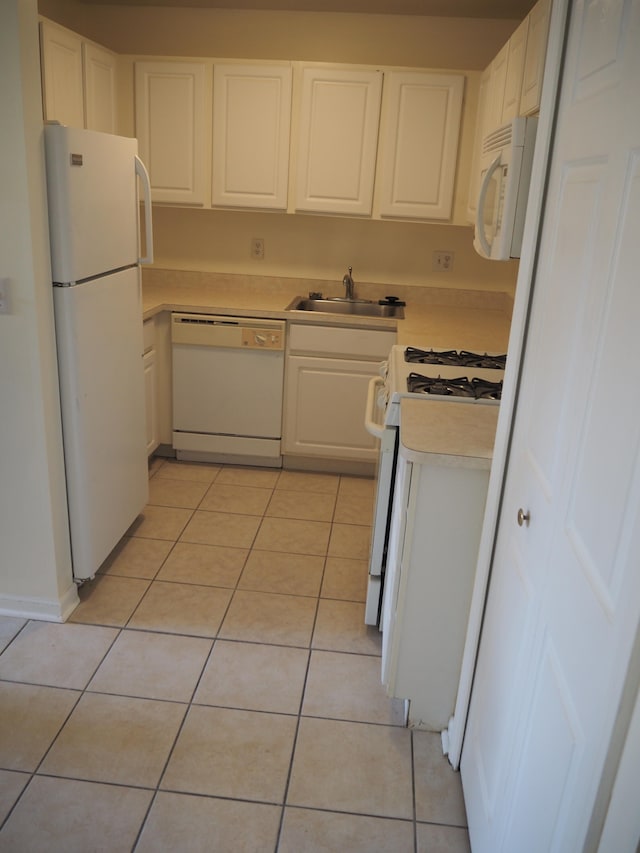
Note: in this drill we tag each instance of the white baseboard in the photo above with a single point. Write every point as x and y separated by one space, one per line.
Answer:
44 609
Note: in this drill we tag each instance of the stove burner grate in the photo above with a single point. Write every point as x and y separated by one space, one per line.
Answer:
413 355
474 388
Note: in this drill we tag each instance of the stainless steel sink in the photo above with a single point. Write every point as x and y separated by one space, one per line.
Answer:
354 307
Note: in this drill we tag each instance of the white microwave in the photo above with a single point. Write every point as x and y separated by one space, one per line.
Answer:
507 155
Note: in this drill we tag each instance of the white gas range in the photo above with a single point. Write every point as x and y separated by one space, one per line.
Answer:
428 374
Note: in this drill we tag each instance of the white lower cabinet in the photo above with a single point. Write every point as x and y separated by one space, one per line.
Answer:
150 399
150 385
326 380
157 381
436 523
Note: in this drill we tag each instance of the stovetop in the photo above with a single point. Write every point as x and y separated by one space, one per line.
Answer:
460 386
456 358
440 374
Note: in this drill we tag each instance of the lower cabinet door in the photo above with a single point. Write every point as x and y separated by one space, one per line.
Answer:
325 406
151 399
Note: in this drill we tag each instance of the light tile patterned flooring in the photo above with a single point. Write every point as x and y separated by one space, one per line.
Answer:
217 689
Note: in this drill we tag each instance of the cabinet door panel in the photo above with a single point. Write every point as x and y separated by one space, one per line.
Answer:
62 75
515 66
324 410
151 399
417 165
170 127
99 88
337 140
251 121
534 58
497 85
479 134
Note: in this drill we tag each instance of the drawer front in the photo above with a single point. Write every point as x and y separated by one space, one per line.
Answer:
337 342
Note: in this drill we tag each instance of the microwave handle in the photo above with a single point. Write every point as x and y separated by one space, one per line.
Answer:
142 173
484 188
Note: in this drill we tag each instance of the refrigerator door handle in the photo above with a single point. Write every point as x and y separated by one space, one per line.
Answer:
142 173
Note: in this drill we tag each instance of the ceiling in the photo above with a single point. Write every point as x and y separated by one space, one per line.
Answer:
509 9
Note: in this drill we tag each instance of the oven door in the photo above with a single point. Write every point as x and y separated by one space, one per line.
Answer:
385 476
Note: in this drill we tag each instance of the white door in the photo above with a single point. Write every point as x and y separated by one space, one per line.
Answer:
564 599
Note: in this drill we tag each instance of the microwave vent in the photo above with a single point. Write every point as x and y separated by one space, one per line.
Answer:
510 134
497 140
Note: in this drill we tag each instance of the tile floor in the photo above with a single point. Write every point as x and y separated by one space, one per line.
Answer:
217 689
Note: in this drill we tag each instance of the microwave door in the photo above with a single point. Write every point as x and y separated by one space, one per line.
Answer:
488 209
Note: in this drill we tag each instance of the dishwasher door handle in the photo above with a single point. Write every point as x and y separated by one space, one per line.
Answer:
370 424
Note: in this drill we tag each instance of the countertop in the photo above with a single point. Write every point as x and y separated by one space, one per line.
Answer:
440 432
434 317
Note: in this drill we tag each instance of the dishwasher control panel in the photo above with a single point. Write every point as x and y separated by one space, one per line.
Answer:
262 338
212 330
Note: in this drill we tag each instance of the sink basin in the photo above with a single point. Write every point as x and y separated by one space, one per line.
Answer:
351 307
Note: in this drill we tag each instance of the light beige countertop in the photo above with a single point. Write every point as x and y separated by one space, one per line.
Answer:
448 433
434 317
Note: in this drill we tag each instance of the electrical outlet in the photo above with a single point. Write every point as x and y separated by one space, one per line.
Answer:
4 296
257 248
442 261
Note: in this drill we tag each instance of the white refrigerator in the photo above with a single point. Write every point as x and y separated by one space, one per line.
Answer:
92 187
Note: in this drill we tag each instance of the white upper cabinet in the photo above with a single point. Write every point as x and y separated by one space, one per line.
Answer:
517 46
251 128
171 129
99 88
419 144
535 57
78 80
62 83
481 131
495 94
337 140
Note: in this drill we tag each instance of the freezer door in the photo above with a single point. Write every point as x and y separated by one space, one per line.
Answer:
92 197
99 338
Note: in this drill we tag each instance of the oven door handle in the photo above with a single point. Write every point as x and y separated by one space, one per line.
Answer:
373 428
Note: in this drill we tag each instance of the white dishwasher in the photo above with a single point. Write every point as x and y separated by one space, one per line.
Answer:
228 375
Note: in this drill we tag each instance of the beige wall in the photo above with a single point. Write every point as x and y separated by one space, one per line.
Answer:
326 37
35 560
299 245
322 247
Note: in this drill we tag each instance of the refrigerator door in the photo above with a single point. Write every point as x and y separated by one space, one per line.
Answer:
92 193
99 333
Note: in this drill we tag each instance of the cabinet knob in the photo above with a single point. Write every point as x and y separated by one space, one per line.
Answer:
523 518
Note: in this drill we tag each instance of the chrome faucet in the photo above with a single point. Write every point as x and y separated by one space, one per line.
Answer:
348 284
